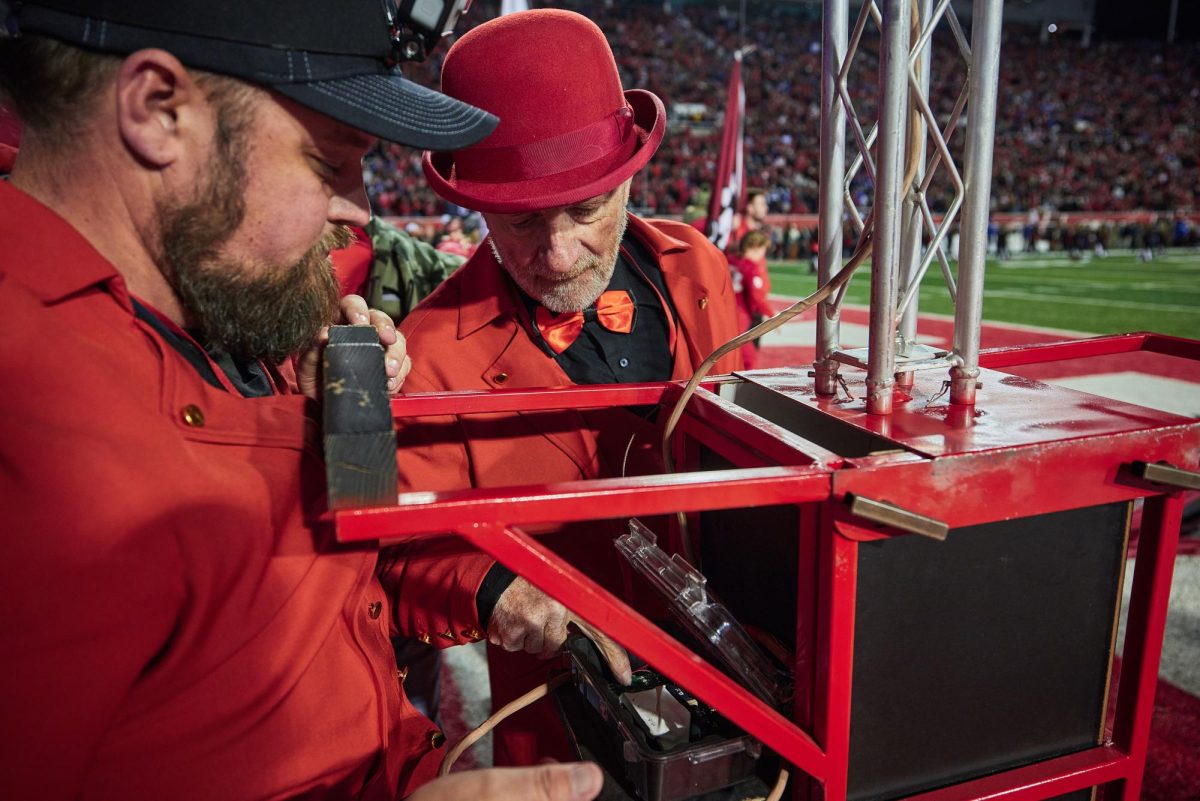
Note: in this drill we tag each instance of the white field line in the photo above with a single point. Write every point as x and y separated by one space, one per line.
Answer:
1122 304
1186 261
1148 286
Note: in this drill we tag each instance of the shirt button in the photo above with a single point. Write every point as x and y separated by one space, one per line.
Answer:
192 416
624 362
702 303
402 674
436 739
374 609
500 378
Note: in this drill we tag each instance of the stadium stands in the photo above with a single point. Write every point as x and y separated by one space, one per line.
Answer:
1105 128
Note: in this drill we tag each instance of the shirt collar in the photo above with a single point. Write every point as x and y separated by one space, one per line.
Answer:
47 255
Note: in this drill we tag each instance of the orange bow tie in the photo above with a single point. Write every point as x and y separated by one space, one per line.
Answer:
614 310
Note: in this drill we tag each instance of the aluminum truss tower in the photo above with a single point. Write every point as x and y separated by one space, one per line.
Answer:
901 156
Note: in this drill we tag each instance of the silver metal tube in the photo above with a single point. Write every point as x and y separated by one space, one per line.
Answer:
910 259
833 168
977 179
893 124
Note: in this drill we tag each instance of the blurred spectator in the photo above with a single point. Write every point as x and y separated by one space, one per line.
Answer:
751 286
454 240
752 218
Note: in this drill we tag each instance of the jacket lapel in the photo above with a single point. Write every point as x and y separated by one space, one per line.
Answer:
490 304
688 296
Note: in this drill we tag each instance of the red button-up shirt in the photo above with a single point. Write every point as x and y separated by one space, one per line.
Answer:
173 623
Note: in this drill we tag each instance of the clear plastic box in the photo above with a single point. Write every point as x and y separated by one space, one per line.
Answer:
715 753
708 621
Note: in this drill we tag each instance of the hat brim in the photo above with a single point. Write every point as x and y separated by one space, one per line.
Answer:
559 189
395 109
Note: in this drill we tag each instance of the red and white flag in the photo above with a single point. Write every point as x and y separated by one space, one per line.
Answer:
729 186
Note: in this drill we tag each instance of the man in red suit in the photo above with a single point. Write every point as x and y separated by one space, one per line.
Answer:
570 288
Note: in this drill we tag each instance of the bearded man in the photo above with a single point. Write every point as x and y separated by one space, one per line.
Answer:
177 621
570 289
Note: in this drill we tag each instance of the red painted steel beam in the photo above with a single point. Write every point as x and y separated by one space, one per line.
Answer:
1025 480
1173 346
834 675
437 512
522 554
1057 351
1041 780
1147 620
1086 348
595 396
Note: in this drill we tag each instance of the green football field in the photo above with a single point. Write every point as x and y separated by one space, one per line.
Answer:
1100 296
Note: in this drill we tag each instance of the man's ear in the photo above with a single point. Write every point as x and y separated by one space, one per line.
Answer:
157 104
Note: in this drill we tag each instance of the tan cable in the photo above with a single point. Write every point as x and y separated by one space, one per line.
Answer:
799 307
512 706
780 783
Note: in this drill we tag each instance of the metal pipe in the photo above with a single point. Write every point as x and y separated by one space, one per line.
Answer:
977 179
893 125
910 258
833 168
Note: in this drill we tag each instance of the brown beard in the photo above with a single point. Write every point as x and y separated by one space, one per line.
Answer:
253 311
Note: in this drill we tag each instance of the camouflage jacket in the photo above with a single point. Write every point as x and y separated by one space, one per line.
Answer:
404 269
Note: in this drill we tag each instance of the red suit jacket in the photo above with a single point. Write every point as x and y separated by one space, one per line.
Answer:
470 334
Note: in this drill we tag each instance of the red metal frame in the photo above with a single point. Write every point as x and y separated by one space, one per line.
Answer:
1089 348
949 460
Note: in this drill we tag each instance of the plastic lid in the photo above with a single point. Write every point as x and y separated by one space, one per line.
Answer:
710 622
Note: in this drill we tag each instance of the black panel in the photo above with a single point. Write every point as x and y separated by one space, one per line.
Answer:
749 557
983 652
814 425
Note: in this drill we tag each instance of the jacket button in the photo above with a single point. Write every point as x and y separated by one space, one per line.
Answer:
374 609
446 635
424 637
192 416
436 739
402 674
500 378
702 303
472 635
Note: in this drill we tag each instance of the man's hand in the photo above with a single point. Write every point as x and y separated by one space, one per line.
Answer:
353 310
578 781
526 619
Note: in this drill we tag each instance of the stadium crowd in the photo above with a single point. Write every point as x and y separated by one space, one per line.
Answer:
1066 140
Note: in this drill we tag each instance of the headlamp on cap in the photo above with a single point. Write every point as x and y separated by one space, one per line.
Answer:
418 25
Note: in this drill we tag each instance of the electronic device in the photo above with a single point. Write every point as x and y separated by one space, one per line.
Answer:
670 745
418 25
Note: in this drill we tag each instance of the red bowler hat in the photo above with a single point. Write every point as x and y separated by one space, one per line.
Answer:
567 130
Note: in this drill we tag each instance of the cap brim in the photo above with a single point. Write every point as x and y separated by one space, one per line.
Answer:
395 109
